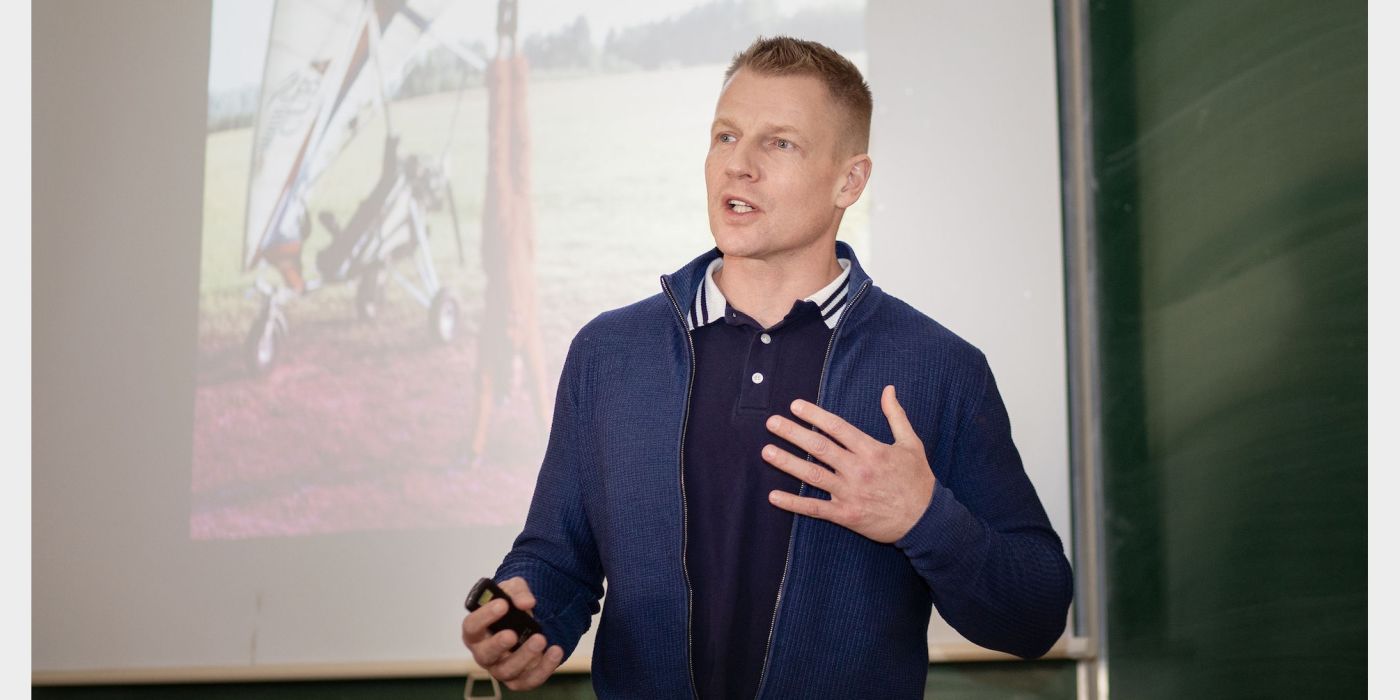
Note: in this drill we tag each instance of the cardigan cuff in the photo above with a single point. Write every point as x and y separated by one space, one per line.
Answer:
947 538
555 602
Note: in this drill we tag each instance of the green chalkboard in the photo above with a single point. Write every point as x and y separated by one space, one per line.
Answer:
1230 159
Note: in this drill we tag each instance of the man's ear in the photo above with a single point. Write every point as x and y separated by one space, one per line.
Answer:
853 184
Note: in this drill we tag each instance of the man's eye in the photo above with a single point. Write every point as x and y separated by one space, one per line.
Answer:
784 144
725 138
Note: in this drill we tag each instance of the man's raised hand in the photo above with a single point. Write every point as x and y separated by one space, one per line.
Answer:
877 490
522 669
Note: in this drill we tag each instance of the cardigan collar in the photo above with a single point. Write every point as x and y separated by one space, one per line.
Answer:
710 305
692 285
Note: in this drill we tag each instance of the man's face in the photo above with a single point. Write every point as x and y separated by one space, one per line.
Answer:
775 146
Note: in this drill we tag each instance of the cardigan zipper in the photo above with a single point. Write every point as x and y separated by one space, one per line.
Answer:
802 489
685 515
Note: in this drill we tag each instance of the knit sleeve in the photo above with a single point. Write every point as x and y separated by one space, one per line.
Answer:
994 566
556 553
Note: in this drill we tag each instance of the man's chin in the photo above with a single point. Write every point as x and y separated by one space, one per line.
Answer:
736 243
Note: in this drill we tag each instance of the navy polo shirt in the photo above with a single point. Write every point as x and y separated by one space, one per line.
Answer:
736 541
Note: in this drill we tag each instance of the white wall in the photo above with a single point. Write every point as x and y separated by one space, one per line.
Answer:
965 224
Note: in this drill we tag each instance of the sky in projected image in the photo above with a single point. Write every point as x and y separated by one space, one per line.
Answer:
403 229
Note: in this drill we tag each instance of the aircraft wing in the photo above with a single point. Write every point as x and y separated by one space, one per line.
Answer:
327 60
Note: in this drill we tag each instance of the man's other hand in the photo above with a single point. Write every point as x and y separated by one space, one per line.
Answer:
877 490
523 669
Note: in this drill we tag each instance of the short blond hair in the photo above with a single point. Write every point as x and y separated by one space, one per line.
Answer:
784 55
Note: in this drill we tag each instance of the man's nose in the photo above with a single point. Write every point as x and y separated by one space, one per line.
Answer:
741 163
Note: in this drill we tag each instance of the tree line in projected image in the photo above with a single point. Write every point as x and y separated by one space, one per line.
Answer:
709 33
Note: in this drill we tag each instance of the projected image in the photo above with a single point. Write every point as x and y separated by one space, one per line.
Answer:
409 210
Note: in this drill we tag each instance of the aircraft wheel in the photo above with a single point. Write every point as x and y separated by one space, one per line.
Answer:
264 343
442 316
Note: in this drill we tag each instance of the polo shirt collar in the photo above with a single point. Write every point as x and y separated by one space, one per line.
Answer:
709 303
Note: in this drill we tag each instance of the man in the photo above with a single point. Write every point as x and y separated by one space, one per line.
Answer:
731 455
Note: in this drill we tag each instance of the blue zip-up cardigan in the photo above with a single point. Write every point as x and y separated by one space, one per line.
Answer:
852 613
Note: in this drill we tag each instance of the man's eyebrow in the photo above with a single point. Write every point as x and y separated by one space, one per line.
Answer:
768 128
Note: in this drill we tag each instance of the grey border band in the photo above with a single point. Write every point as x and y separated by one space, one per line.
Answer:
1081 312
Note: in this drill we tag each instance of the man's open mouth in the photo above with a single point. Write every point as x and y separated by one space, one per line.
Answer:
739 206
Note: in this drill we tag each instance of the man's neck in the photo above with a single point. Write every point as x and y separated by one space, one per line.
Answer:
765 288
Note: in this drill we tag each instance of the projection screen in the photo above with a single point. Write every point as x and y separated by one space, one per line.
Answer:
305 273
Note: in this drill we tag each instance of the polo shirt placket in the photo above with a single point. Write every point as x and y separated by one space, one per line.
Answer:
736 540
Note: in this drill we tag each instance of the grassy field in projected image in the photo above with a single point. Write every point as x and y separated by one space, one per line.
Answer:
364 425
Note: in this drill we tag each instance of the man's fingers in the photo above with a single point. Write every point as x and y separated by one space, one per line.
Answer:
489 652
811 473
900 426
516 663
519 593
833 425
814 443
474 627
813 507
539 672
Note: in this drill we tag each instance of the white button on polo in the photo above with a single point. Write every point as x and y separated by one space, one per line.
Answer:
766 338
757 377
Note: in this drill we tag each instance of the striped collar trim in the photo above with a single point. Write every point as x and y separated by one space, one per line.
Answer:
709 304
